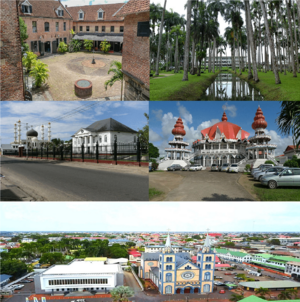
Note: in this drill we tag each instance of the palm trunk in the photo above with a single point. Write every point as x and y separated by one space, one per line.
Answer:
193 57
176 55
159 39
272 49
233 65
187 42
296 40
288 3
251 39
214 55
122 90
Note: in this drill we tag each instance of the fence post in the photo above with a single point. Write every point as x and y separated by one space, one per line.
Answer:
82 152
31 152
53 152
138 151
71 153
97 151
116 152
47 152
61 153
41 152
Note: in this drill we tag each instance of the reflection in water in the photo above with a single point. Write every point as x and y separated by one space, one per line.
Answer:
228 86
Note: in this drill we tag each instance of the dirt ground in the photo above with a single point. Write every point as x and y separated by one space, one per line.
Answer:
66 69
247 183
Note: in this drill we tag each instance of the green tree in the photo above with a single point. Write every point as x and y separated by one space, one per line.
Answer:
39 73
275 241
263 292
130 244
75 45
285 295
62 47
143 134
23 34
29 60
13 267
121 293
116 68
153 151
236 297
105 46
229 243
88 44
57 142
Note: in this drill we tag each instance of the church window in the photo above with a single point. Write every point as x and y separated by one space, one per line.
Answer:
199 258
207 266
208 258
169 277
206 288
207 276
105 138
169 289
198 265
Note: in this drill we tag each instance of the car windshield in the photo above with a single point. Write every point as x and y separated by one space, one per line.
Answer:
214 165
225 165
233 165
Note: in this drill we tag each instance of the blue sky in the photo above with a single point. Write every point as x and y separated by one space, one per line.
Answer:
37 114
90 2
138 216
200 115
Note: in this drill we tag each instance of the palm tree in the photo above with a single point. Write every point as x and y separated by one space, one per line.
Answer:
289 120
121 293
57 142
236 297
285 295
39 72
116 68
262 292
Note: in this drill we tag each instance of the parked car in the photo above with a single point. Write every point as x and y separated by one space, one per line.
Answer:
174 167
195 168
25 281
267 171
222 291
289 177
151 168
261 167
186 168
233 168
224 168
214 167
18 286
218 277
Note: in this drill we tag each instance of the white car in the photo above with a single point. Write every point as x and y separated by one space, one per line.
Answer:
195 168
233 168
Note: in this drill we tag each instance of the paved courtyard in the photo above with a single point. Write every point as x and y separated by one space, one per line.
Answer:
199 186
66 69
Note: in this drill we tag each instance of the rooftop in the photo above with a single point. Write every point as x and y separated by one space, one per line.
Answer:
271 284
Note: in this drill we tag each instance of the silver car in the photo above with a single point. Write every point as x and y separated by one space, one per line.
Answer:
214 167
224 168
260 168
267 171
289 177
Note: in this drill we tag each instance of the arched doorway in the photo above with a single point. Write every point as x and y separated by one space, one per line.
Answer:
47 46
196 290
178 291
187 290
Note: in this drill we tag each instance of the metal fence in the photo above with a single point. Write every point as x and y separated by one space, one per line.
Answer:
134 152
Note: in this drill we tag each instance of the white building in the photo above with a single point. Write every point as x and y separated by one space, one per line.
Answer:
176 249
293 268
79 275
105 132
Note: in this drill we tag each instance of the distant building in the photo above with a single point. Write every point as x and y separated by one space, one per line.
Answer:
288 154
293 269
136 49
176 249
11 69
80 275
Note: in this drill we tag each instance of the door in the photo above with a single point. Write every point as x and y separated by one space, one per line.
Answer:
286 178
187 290
41 48
296 178
54 47
178 291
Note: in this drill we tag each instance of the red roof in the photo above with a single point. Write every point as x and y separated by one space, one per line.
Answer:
135 254
259 120
134 7
179 128
230 130
222 265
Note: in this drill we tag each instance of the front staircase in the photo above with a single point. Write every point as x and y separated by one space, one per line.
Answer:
163 165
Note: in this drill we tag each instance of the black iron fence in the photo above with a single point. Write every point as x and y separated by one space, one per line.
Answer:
134 152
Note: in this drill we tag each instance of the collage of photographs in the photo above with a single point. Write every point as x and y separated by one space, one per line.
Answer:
149 150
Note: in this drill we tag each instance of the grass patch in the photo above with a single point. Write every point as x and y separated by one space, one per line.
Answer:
247 173
173 88
278 194
154 193
288 90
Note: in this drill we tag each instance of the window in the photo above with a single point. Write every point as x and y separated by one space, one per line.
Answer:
26 9
65 26
169 277
65 40
57 26
188 267
134 139
96 28
100 15
143 29
168 289
208 258
112 29
60 12
103 29
80 16
47 28
100 139
115 137
199 258
87 28
73 28
105 138
207 266
207 276
206 288
169 267
121 29
80 28
34 46
34 29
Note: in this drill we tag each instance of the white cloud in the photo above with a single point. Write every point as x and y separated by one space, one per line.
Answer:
232 109
281 142
158 114
184 113
154 137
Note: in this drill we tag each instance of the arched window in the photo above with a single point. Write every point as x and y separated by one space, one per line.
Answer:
188 267
100 139
168 289
208 258
105 138
169 267
206 288
47 27
207 266
169 277
199 258
198 265
207 276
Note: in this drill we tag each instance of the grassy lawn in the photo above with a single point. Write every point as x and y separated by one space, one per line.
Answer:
154 193
173 88
265 194
288 90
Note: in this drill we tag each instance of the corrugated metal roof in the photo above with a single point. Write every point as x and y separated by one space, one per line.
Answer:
271 284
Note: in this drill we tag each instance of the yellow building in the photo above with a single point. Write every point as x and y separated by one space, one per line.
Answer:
174 273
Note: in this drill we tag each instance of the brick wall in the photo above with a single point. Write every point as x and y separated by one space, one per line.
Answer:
50 36
11 72
136 59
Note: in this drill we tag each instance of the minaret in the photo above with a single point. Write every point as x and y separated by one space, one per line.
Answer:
42 134
19 132
15 134
49 132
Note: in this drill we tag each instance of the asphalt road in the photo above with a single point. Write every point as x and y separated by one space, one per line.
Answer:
50 181
199 186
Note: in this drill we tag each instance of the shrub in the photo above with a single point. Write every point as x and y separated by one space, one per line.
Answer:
291 163
270 162
154 164
39 73
75 45
247 168
29 60
62 47
105 46
88 44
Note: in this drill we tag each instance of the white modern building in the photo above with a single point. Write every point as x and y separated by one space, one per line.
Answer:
105 132
293 268
79 275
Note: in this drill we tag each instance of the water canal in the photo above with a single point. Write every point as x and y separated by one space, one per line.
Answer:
228 86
